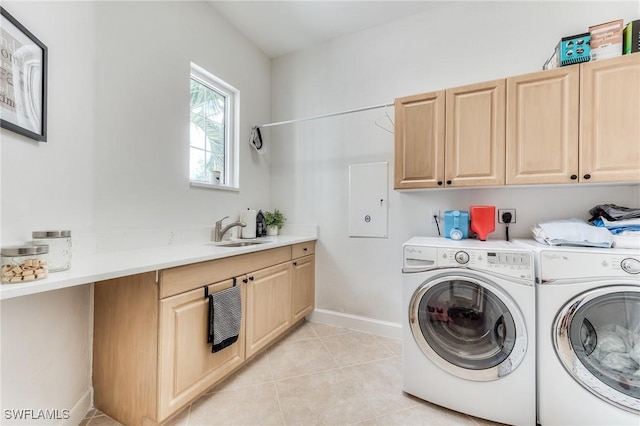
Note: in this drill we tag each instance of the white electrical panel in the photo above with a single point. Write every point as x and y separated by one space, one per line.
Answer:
368 200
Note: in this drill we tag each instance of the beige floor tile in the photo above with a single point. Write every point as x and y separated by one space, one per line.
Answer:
258 371
302 332
380 382
253 405
102 420
422 415
92 412
355 348
323 330
289 359
329 397
395 345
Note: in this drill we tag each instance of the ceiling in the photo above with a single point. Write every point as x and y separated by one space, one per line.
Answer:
281 27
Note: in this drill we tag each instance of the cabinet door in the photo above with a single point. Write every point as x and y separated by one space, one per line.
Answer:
268 305
187 367
609 120
419 141
475 141
542 129
303 293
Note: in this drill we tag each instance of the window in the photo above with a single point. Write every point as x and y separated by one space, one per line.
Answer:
213 135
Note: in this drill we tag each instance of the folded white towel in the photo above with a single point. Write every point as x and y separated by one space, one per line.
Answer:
627 239
575 232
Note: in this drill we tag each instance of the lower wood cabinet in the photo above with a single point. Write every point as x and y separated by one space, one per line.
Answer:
303 288
150 352
268 306
186 366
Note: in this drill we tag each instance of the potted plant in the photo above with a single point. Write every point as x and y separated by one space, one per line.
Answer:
274 221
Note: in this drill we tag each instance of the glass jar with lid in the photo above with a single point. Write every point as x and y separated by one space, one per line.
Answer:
59 243
24 263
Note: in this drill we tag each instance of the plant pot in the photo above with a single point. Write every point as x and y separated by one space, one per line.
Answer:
272 231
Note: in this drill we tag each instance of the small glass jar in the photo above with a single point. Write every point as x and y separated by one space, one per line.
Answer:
24 263
59 243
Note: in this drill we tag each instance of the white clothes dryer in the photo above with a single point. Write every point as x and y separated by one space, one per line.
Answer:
588 335
469 327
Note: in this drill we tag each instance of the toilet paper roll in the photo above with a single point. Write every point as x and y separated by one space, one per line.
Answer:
249 217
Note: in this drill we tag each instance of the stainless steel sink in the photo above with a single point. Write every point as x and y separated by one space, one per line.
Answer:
240 244
236 243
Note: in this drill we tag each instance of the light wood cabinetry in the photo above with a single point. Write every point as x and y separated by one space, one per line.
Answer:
610 120
572 124
419 141
268 306
303 288
542 127
475 135
187 367
151 357
451 138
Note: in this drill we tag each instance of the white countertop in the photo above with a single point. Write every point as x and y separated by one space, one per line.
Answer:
87 269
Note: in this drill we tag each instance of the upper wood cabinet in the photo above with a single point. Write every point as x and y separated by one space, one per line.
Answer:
610 120
542 127
419 141
475 135
578 123
451 138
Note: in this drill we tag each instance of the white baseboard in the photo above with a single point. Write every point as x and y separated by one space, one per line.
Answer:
358 323
80 408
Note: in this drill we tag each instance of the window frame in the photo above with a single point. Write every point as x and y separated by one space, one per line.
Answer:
231 124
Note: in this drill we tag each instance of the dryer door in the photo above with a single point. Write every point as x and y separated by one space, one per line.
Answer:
597 338
468 326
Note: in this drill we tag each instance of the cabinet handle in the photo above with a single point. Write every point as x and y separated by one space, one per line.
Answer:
448 182
295 263
574 177
587 176
304 249
251 278
245 280
439 182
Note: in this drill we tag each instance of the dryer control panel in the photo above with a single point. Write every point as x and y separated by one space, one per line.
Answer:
563 264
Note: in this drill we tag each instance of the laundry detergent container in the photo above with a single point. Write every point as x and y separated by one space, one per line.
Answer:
483 220
456 224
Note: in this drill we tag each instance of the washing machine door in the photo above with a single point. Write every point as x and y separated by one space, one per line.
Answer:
597 338
468 326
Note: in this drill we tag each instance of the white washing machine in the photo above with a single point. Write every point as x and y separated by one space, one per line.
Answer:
588 335
469 327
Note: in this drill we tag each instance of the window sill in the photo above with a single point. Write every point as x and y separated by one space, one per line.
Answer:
195 184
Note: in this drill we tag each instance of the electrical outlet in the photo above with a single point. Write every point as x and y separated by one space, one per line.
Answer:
503 211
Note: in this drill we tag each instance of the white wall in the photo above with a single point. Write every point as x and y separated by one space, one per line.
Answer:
454 44
116 159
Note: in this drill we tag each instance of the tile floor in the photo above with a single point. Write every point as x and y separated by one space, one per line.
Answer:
316 375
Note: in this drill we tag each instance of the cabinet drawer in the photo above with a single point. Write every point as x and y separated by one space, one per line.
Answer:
184 278
303 249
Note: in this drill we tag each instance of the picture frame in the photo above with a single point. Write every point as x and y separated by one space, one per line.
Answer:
23 80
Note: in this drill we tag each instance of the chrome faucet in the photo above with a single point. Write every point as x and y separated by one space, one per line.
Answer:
219 231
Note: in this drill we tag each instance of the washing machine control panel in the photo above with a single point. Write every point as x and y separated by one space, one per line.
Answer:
517 264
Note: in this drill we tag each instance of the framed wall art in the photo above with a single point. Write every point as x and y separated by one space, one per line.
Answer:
23 80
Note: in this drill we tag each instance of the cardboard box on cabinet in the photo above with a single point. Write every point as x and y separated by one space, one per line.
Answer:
606 40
